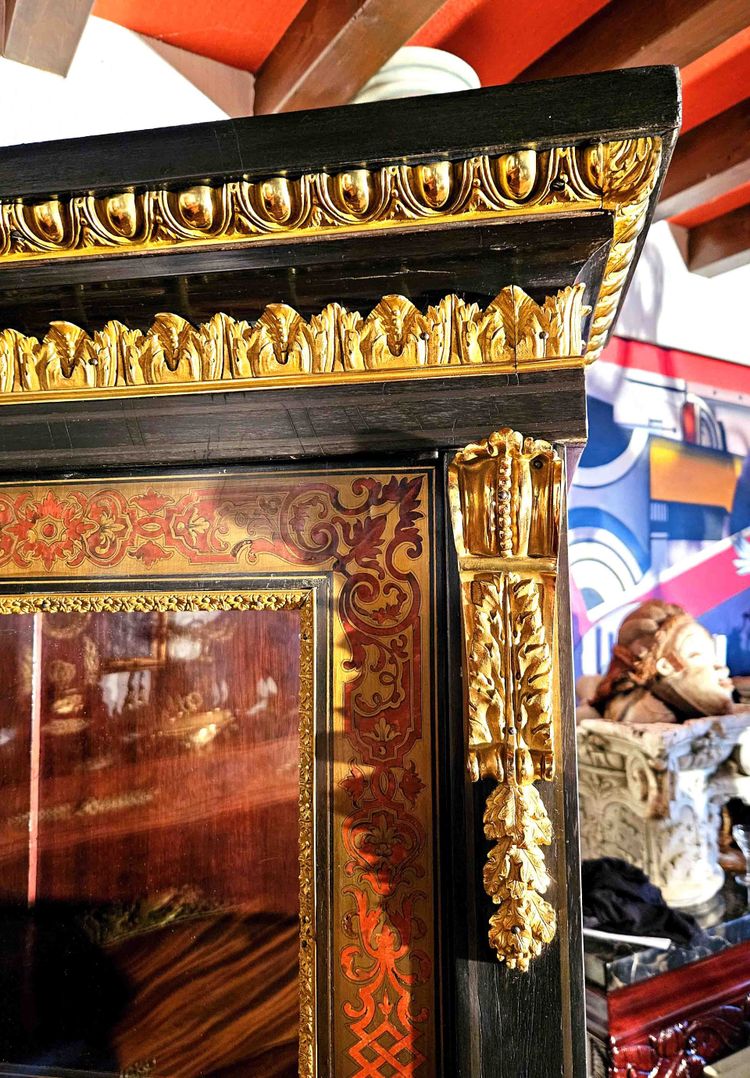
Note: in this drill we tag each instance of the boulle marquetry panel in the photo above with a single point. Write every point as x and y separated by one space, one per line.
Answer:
172 736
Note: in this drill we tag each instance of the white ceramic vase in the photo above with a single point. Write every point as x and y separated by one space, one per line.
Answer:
416 70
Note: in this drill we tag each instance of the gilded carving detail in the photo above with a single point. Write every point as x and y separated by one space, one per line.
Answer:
515 876
116 602
616 176
139 1070
505 498
626 171
282 347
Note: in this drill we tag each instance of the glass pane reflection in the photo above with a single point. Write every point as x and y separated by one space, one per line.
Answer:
153 826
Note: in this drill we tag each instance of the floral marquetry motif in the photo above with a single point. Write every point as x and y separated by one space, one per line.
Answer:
87 529
505 504
368 534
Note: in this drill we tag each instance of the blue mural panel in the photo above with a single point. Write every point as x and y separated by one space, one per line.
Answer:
660 504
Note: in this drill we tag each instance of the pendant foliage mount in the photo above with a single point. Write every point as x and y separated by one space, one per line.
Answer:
505 506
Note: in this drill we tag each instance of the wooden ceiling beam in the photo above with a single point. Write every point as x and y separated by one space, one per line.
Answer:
44 33
635 33
720 245
332 48
708 161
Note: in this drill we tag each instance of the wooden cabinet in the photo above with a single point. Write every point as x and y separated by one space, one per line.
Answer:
681 1019
262 624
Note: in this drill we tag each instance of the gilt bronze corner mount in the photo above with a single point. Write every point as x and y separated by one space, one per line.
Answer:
505 506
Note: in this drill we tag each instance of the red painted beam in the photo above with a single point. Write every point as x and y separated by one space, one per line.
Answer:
635 33
708 162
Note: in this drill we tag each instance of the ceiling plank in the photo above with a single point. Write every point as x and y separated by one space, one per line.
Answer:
332 48
708 162
720 245
634 33
44 33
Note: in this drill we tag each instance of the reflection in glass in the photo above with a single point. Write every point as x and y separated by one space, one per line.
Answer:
741 835
150 774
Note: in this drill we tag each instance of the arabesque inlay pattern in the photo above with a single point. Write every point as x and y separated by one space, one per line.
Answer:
369 531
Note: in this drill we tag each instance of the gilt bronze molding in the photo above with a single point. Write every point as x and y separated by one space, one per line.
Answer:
505 506
283 349
113 602
616 176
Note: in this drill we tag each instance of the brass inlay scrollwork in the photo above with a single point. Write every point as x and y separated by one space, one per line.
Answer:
283 348
505 505
616 176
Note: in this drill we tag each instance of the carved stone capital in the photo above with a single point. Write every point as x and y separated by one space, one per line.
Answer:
650 794
505 506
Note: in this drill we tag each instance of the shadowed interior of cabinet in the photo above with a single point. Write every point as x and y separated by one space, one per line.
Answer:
149 870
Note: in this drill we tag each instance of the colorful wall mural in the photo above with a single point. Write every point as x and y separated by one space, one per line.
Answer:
660 504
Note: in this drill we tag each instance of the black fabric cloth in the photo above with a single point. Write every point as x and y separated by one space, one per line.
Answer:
618 897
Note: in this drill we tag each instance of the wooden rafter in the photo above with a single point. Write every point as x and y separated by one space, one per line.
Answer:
708 161
720 245
332 48
634 33
44 34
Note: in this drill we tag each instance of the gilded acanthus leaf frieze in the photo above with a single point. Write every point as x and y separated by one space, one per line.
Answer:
283 348
505 505
616 176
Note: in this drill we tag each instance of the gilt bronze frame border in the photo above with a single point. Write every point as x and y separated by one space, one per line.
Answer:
270 599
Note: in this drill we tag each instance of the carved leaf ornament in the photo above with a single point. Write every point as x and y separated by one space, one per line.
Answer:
505 499
282 346
616 177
